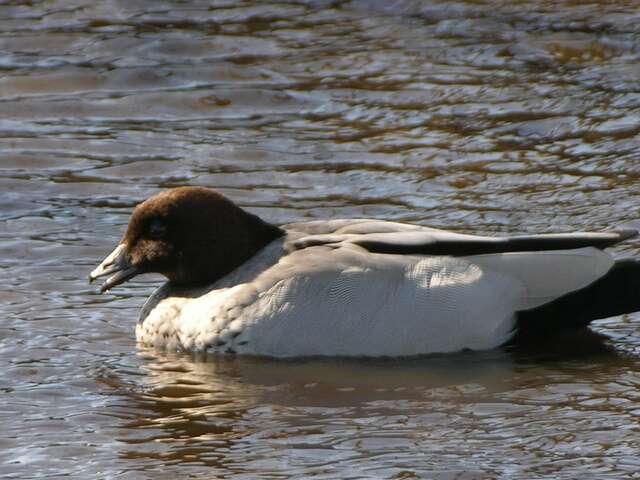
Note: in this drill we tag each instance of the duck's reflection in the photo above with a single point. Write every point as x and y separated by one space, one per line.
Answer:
188 408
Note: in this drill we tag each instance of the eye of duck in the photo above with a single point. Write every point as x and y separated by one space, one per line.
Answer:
157 229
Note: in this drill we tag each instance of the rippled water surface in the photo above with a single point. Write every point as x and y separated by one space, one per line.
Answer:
478 116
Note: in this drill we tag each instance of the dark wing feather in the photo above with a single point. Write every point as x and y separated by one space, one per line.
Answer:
445 243
379 236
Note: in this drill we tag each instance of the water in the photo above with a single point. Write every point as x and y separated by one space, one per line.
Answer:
478 116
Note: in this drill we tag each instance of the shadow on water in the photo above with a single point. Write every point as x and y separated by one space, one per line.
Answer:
373 378
186 410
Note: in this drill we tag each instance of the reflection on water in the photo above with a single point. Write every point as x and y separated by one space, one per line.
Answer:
472 115
370 418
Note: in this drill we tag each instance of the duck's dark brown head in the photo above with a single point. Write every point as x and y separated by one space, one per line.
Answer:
189 235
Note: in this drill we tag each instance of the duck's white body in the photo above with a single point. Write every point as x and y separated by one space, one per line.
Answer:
318 291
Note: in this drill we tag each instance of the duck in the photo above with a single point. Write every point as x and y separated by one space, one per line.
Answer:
239 285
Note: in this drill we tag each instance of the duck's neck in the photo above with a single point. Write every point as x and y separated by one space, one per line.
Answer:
219 251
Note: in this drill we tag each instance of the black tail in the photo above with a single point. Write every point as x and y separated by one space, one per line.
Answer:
616 293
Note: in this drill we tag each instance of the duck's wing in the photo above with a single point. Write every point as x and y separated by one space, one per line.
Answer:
343 300
402 239
446 243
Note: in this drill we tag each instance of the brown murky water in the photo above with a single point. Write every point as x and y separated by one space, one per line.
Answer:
476 116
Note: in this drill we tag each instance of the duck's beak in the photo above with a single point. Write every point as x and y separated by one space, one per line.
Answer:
117 263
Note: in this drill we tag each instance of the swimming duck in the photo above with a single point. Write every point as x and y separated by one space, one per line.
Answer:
358 287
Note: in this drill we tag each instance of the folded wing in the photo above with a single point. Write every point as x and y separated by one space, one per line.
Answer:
400 239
